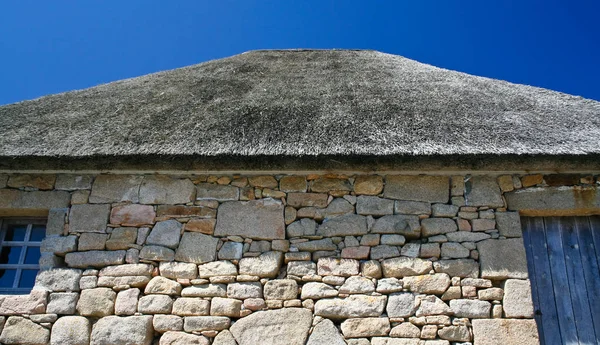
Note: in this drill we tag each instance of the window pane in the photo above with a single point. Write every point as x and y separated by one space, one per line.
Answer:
15 232
27 278
7 278
38 232
10 255
32 256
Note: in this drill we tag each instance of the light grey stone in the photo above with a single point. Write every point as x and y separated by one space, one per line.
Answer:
471 308
281 289
182 338
163 286
88 218
127 301
205 323
245 290
62 303
337 207
155 304
165 233
428 284
231 251
209 191
32 303
400 341
325 332
178 270
346 225
127 270
292 325
224 338
453 250
405 330
405 225
197 248
159 189
365 327
73 182
133 281
361 341
393 240
157 253
21 331
88 282
191 306
97 302
260 246
115 188
375 206
205 290
257 219
357 284
417 188
411 250
165 323
302 227
483 191
437 226
301 268
467 236
337 267
95 258
384 251
502 259
509 224
412 207
458 268
455 333
58 279
18 199
401 304
56 221
352 306
444 210
121 238
316 290
92 241
404 266
71 330
225 307
314 246
389 285
265 265
431 305
505 331
517 301
131 330
217 268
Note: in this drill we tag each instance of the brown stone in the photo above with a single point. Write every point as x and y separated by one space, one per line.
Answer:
555 201
556 180
132 215
531 180
185 211
325 185
42 182
506 183
292 184
368 184
307 200
205 226
361 252
265 181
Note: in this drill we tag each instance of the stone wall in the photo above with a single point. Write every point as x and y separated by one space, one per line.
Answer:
285 259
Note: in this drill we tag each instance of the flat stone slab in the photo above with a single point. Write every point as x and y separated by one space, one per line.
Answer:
131 330
95 258
166 190
347 225
502 259
431 189
18 330
505 331
256 219
554 201
88 218
115 188
197 248
37 200
273 327
209 191
483 191
353 306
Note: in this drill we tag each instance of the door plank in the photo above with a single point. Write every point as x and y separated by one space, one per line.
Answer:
528 223
589 266
577 284
595 223
543 277
560 280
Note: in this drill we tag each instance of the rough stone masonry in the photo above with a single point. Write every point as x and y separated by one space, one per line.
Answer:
276 259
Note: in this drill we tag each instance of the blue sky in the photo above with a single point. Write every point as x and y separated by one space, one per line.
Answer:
54 46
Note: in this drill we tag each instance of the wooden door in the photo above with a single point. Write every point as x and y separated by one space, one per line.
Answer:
563 256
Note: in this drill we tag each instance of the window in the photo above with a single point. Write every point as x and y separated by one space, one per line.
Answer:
20 241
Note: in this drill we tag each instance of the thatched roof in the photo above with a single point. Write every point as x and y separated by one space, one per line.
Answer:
299 105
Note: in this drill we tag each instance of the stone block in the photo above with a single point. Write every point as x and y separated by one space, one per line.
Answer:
121 238
155 304
62 303
159 189
350 307
127 270
368 185
95 258
301 268
358 253
32 303
437 226
21 331
41 181
517 301
256 219
191 306
502 331
473 309
366 327
444 210
157 253
302 227
59 245
453 250
165 323
263 181
97 302
265 265
58 279
458 268
132 215
357 285
197 248
292 325
163 286
483 191
56 221
89 218
502 259
205 323
127 301
205 290
246 290
405 225
372 205
166 233
298 200
404 266
509 224
316 290
116 188
217 268
131 330
31 201
225 307
71 330
204 226
181 211
384 252
178 270
92 241
73 182
417 188
281 289
436 283
292 184
412 207
347 225
337 267
182 338
209 191
325 332
327 184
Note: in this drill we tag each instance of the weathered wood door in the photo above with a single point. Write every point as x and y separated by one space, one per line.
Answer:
563 256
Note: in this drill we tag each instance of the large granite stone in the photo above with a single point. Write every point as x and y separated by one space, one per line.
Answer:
130 330
353 306
502 259
265 265
58 279
121 238
178 270
97 302
405 266
166 233
256 219
325 332
517 300
437 226
372 205
347 225
132 215
59 245
62 303
504 331
197 248
209 191
73 182
32 303
71 330
89 218
509 224
157 253
471 308
483 191
463 268
36 200
166 190
428 284
41 181
365 327
205 290
115 188
554 201
95 258
337 267
405 225
21 331
205 323
217 268
273 327
417 188
401 304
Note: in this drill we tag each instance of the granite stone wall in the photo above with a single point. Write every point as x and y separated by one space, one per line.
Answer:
277 259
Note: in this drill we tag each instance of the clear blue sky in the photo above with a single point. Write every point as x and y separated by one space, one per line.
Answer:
53 46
